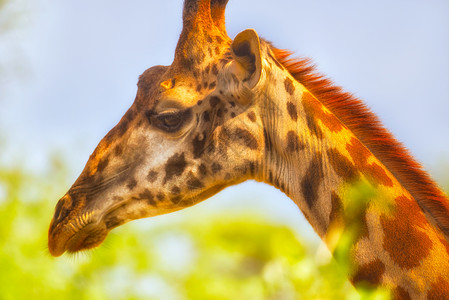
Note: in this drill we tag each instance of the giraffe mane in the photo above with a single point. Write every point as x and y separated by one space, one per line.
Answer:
367 127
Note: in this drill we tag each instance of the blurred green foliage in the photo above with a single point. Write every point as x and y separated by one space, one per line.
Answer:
200 257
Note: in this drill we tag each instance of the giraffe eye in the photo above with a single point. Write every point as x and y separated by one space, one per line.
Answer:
169 121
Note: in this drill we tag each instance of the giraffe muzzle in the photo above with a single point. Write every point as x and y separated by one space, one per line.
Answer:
66 239
73 231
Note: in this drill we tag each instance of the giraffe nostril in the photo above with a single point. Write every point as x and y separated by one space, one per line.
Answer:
58 208
61 211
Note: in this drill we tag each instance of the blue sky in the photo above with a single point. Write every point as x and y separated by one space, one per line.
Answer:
72 69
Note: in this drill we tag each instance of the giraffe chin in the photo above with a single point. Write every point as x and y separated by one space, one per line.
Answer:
88 237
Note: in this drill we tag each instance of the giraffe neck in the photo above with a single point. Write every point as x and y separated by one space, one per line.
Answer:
315 159
296 154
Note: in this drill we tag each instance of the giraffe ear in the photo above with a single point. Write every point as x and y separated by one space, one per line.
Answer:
246 52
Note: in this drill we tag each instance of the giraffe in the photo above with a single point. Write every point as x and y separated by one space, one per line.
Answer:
229 110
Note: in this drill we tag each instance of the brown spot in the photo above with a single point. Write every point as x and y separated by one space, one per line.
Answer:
293 143
202 169
206 116
131 184
377 175
216 167
205 84
336 214
148 197
214 100
438 290
291 108
176 199
118 150
252 116
195 72
358 152
102 164
199 143
199 88
315 109
152 176
207 69
402 234
209 39
369 274
233 115
360 155
289 87
212 85
214 69
194 183
232 103
199 102
312 180
175 190
246 137
314 127
401 294
160 196
175 166
342 166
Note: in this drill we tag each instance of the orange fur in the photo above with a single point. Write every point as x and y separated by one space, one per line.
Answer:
369 130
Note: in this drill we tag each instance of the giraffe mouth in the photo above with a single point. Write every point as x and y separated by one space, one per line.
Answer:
72 240
88 237
83 233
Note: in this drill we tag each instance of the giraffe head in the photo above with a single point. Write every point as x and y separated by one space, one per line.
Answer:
190 132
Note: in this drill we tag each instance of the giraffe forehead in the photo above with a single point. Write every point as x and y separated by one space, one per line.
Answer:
188 88
179 96
190 77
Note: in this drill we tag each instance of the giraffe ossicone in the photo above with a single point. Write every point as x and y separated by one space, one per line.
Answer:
226 111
